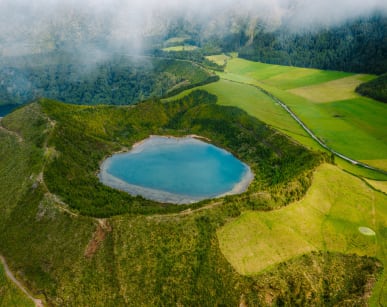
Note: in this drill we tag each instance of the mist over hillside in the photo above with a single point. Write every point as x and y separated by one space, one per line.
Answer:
43 25
53 48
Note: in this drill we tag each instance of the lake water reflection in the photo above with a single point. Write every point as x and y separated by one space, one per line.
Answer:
176 170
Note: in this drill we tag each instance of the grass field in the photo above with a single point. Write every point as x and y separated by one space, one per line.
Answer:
181 48
282 77
149 259
353 126
327 219
336 90
379 185
350 124
177 39
220 59
254 102
10 295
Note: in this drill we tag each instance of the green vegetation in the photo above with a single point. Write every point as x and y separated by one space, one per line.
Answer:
83 136
378 185
345 125
356 46
336 90
181 48
69 259
229 251
219 59
334 208
354 126
376 89
121 80
177 40
10 295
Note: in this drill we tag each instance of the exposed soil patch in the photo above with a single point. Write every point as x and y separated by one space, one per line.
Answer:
99 236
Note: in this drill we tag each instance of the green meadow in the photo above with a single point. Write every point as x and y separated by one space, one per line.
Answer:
181 48
353 125
378 185
219 59
326 102
294 238
327 219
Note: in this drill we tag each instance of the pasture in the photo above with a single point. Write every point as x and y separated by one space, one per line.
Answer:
327 103
181 48
327 219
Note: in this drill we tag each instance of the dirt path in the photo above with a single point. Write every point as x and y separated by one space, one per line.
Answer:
38 302
15 134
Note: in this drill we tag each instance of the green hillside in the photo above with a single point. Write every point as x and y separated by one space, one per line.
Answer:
333 212
357 46
325 101
10 295
119 80
68 258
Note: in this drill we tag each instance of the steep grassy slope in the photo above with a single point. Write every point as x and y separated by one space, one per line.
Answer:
134 259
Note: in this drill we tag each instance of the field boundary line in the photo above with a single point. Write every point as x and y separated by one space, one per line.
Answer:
308 131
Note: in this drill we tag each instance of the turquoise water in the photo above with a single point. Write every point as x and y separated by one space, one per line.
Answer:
178 170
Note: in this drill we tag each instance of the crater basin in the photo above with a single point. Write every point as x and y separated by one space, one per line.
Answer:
176 170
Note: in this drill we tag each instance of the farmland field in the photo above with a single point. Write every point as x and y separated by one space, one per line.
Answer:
181 48
353 125
350 124
328 219
379 185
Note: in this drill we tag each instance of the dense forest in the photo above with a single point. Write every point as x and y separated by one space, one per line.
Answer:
120 80
356 46
376 89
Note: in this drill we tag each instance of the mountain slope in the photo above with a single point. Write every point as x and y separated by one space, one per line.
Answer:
136 259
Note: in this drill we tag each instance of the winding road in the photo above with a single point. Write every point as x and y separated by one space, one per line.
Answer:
37 302
311 134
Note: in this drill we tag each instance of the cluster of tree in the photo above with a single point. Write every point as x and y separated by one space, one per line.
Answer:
357 46
122 80
376 89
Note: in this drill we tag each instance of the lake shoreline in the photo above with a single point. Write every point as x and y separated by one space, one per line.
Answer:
163 196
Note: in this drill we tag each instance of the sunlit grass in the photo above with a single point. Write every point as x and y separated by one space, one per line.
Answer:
328 219
181 48
379 185
340 89
220 59
354 126
10 295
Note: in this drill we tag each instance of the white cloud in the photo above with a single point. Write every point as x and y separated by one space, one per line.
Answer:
26 22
